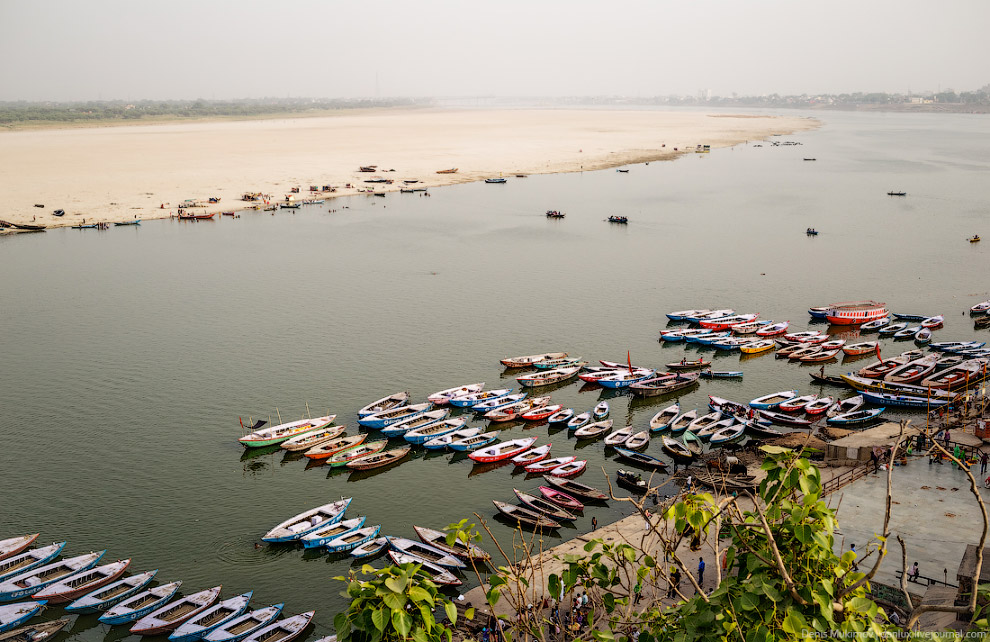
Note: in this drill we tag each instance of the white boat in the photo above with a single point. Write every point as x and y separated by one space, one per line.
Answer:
445 440
429 553
528 360
395 415
619 437
105 597
212 618
320 537
313 439
14 545
638 440
31 582
78 584
591 431
23 562
139 605
437 573
444 396
385 403
175 613
661 420
13 615
307 522
282 432
244 625
474 398
531 456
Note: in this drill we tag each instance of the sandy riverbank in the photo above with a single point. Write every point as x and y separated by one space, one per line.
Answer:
121 173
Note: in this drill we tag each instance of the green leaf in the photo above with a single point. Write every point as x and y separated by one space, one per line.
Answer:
401 622
379 618
397 584
794 623
603 636
492 596
469 613
451 610
420 594
394 601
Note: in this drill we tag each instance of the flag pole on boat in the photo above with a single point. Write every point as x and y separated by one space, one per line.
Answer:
279 415
307 410
629 361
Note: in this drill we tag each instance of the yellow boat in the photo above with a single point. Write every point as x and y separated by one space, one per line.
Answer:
758 346
975 239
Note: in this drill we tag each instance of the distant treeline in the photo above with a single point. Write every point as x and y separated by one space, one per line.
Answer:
109 110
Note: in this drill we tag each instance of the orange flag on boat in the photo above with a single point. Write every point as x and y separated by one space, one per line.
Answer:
878 352
629 361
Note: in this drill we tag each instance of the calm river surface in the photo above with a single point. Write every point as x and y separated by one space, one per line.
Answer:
128 355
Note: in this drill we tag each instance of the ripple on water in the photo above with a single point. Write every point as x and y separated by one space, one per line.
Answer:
244 551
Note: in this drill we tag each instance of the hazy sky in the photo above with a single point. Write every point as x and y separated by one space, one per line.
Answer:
134 49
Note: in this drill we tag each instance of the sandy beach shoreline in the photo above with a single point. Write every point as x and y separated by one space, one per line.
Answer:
116 174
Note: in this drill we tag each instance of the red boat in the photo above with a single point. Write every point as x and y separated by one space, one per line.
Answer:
549 464
561 498
532 456
818 406
539 414
774 329
728 322
504 450
856 313
797 403
196 217
570 469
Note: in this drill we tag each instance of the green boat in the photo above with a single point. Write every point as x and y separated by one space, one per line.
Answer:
362 450
278 434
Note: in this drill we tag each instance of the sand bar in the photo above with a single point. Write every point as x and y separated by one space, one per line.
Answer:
120 173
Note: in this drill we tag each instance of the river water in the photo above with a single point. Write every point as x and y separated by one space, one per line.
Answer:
128 355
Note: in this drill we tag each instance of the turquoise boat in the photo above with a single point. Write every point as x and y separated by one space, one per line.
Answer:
321 537
244 625
353 539
105 597
136 607
212 618
35 580
28 560
307 522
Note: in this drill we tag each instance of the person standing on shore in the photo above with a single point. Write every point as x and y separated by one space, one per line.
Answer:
984 459
701 572
594 521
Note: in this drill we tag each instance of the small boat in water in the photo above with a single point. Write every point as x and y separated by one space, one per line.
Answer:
352 539
676 448
105 597
424 420
561 416
539 414
531 456
244 625
320 537
501 402
860 348
370 549
771 401
434 430
525 516
729 434
576 488
796 403
283 630
34 632
523 362
23 562
632 481
560 498
379 460
74 586
330 448
876 324
680 424
385 403
619 437
684 364
308 521
923 336
13 615
141 604
640 458
818 406
849 404
438 539
855 417
310 440
14 545
170 616
544 506
38 578
913 370
388 417
569 469
443 441
593 431
444 396
477 441
212 618
660 386
547 465
437 574
343 457
283 432
579 420
501 451
548 377
661 421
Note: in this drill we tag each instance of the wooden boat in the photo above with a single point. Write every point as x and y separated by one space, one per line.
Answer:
702 422
199 217
424 420
212 618
14 545
818 406
593 431
709 430
729 434
283 630
13 615
136 221
804 352
560 498
821 355
907 333
74 586
662 420
714 314
875 325
388 417
548 377
860 348
385 403
516 410
579 420
23 562
619 437
912 371
758 431
547 465
556 364
432 431
980 308
975 239
878 385
541 413
771 401
657 387
141 604
477 441
310 440
576 488
624 379
618 219
640 458
676 448
833 344
849 404
680 424
438 539
751 328
725 323
933 322
436 574
378 460
981 322
370 549
244 625
593 375
856 313
632 481
475 398
732 344
755 347
452 170
501 451
684 364
827 379
283 432
343 457
541 505
501 402
804 337
692 443
569 469
330 448
781 418
352 539
175 613
528 360
308 521
683 334
892 328
320 537
879 369
896 193
923 336
561 416
855 417
497 181
38 578
444 396
953 346
104 597
426 552
890 399
34 632
525 515
713 337
532 456
774 329
956 376
789 349
443 441
683 315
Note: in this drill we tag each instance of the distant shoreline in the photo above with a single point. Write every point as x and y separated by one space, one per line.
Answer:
145 171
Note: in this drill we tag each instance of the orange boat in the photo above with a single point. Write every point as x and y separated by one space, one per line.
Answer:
856 313
452 170
196 217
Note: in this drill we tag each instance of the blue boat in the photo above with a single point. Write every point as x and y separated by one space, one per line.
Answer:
434 430
353 539
855 417
579 420
501 402
640 458
106 596
422 421
473 399
885 399
682 315
600 411
136 607
708 339
212 618
244 625
721 374
561 416
369 549
321 537
475 442
771 401
912 317
38 578
28 560
956 346
394 416
495 180
307 522
624 380
13 615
